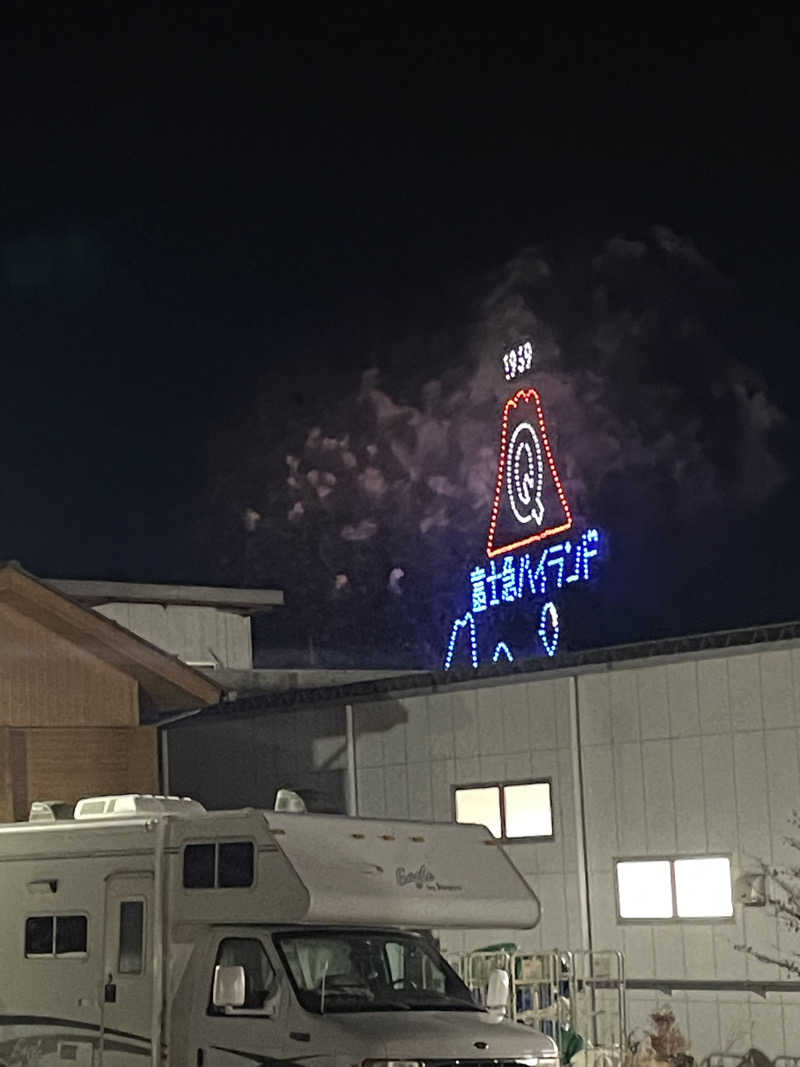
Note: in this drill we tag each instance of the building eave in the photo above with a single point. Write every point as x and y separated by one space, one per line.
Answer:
169 684
93 593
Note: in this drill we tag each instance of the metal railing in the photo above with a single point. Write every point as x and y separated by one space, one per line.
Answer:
560 993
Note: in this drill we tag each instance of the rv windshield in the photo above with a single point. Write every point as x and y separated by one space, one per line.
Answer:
349 971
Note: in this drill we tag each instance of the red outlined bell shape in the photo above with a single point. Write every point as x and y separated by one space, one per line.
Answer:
529 501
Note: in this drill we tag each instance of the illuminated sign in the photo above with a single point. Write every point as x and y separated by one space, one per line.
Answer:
529 507
529 500
518 361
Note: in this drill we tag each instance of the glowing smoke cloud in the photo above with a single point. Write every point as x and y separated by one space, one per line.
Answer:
626 367
639 392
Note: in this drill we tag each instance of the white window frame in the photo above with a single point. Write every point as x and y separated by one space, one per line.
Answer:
674 918
501 787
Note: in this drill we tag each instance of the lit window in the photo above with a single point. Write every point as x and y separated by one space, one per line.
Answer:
511 811
703 888
480 806
529 812
645 890
672 889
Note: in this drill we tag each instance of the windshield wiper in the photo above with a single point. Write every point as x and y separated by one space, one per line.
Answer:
458 1003
356 1005
392 1005
443 1002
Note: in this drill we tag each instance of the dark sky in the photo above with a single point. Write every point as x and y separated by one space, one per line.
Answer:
212 218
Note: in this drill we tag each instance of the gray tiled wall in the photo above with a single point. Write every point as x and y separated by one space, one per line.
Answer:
690 756
684 757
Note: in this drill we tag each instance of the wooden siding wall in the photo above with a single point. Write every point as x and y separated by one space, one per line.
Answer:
46 680
6 795
67 764
68 722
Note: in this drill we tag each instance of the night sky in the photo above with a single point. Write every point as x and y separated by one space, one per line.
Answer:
213 221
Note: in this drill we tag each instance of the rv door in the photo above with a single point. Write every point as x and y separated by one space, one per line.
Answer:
127 991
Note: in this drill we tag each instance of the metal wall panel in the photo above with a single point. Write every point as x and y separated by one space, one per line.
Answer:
195 634
696 754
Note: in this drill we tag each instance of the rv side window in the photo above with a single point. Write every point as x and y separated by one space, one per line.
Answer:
39 936
259 976
230 864
70 935
235 864
56 935
131 936
198 866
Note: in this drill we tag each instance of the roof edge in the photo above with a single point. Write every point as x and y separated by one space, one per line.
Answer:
93 592
151 666
418 683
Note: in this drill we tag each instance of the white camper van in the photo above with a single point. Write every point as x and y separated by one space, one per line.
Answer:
144 928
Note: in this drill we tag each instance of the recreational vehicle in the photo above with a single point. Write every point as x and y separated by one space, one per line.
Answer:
140 928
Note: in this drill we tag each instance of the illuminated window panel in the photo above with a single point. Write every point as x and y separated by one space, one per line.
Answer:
703 888
528 810
481 806
511 811
645 889
674 889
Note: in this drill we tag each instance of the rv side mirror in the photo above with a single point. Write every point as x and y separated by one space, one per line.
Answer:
497 993
229 987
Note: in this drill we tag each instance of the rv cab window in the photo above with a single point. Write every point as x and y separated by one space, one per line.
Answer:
259 975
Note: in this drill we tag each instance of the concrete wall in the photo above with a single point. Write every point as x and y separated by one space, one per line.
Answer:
680 756
195 634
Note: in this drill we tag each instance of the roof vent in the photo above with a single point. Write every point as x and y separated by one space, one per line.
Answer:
286 800
50 811
130 805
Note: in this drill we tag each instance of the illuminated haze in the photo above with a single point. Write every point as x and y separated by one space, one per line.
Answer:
660 428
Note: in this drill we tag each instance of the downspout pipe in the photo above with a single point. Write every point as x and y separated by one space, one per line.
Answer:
580 815
163 745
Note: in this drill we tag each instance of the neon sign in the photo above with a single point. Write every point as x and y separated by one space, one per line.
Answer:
522 469
556 567
529 507
518 361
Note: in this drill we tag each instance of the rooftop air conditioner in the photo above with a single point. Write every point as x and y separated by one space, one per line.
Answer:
131 805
